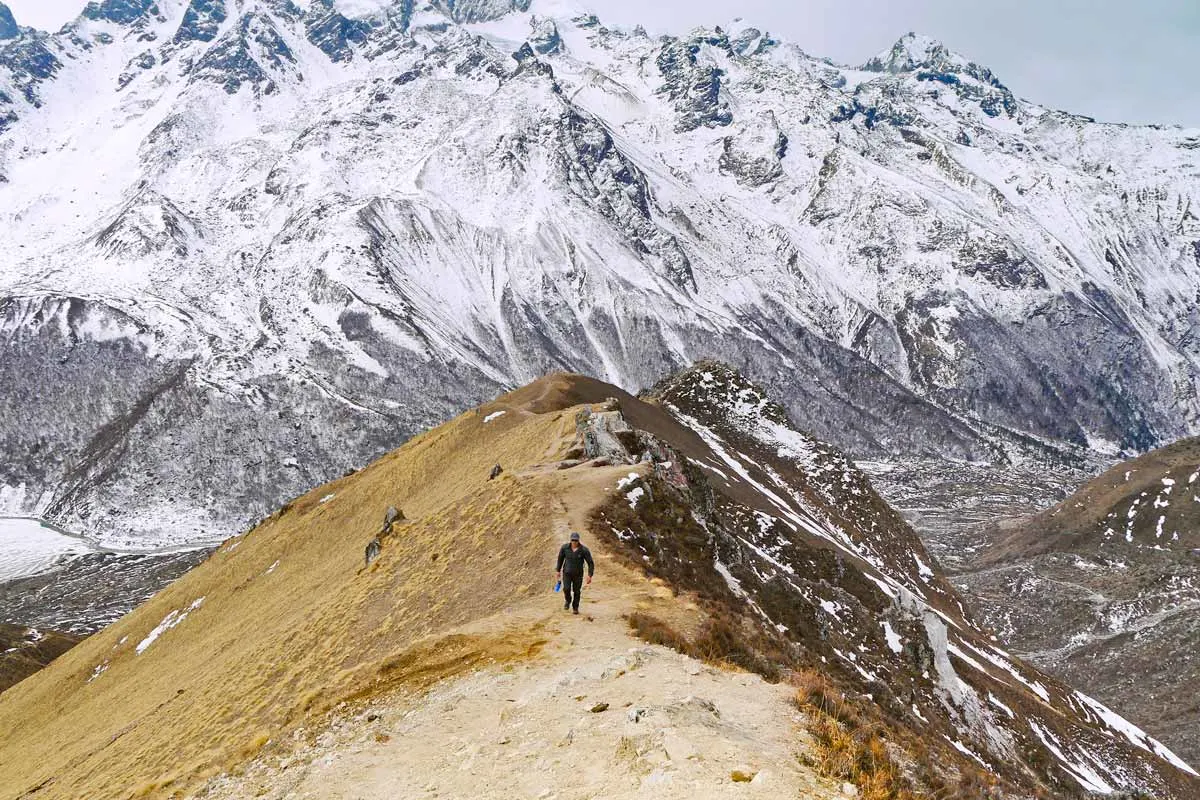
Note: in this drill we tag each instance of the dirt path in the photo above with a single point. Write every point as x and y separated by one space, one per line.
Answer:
673 727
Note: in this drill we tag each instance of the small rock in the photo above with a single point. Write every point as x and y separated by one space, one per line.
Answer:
596 709
636 714
382 738
693 669
742 776
760 779
504 740
372 717
496 471
850 790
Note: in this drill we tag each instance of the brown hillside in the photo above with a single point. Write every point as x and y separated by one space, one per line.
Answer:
722 530
24 651
284 622
1119 510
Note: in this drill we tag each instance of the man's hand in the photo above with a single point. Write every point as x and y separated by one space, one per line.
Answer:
558 575
588 582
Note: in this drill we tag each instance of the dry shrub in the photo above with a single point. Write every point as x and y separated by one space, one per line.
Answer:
848 747
721 641
651 629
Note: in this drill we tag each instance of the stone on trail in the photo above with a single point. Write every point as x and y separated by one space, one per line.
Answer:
596 709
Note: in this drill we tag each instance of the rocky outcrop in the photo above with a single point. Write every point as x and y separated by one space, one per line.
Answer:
754 154
333 33
252 53
480 10
123 12
693 85
201 22
545 38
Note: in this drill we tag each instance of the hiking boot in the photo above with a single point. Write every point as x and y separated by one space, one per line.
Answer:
566 606
574 610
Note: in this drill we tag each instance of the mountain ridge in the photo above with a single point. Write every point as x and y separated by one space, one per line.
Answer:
322 218
778 549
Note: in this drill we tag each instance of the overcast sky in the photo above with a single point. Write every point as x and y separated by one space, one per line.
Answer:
1116 60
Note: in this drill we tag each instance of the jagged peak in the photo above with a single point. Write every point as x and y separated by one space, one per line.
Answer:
930 60
911 52
123 12
464 11
8 24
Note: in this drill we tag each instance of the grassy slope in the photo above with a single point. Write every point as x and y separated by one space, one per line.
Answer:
266 648
26 656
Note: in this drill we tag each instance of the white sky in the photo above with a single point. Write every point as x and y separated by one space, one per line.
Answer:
1116 60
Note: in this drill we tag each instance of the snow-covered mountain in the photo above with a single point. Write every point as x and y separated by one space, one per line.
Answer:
252 243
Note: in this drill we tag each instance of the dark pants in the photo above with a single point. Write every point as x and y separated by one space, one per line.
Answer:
572 589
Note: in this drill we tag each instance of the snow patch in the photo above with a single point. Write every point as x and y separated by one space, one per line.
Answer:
169 621
894 642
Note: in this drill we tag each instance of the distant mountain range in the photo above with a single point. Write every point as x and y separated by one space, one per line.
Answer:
251 244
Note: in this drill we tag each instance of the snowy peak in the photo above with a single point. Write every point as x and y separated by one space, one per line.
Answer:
8 25
467 11
124 12
335 34
202 21
928 60
911 52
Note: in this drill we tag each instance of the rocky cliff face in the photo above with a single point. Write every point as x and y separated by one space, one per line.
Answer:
312 234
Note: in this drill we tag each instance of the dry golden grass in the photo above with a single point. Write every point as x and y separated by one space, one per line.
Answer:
270 648
848 747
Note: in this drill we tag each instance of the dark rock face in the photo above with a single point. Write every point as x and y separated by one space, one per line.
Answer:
883 111
201 22
599 173
754 155
29 62
694 88
333 33
480 10
123 12
252 54
545 38
8 25
1012 379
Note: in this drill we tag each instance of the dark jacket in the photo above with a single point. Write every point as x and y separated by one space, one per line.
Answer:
570 562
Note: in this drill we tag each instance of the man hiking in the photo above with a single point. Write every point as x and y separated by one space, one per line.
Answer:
571 558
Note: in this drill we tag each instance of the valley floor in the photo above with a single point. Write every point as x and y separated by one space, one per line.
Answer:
673 727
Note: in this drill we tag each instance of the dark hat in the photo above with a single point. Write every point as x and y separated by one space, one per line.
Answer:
574 537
